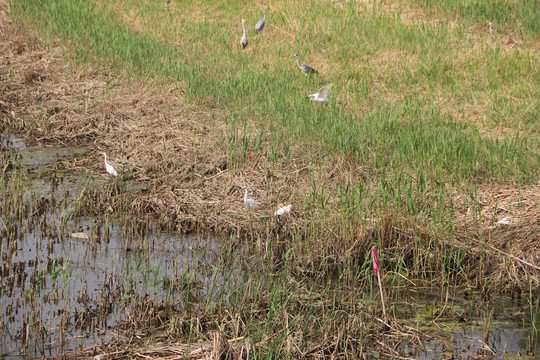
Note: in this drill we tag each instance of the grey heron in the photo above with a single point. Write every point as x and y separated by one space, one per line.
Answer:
283 210
260 24
250 203
306 69
110 169
244 39
492 31
322 95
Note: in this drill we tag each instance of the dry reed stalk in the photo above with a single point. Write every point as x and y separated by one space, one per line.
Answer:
376 264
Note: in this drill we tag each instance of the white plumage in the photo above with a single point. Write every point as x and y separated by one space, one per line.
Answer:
283 210
250 203
244 39
110 169
322 95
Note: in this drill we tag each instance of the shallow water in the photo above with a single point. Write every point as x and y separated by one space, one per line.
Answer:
67 283
464 324
61 293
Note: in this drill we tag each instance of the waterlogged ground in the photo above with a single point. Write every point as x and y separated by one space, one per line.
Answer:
464 324
70 283
66 283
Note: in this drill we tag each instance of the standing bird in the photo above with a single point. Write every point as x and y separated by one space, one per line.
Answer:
110 169
250 203
492 31
244 40
306 69
260 24
322 95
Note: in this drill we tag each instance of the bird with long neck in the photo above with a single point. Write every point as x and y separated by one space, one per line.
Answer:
110 169
249 203
260 24
492 31
306 69
244 39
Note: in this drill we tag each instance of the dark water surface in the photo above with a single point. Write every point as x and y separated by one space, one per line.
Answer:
66 283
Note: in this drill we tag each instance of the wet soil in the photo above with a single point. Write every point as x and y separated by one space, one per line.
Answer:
173 150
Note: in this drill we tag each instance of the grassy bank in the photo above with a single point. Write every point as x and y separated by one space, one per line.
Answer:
431 136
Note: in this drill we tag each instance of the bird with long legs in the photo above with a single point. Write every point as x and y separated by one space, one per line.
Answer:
305 69
244 40
260 24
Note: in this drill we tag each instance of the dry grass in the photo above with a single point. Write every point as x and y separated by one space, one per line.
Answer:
175 150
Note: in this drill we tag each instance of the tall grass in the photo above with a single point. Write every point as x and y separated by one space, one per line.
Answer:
381 114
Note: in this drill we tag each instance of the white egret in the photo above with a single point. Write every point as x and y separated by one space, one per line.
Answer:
283 210
250 203
260 24
306 69
110 169
322 95
244 39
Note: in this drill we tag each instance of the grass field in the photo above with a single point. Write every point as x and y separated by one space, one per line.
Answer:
431 135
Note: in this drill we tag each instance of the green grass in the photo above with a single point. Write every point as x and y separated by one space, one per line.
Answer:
382 117
522 16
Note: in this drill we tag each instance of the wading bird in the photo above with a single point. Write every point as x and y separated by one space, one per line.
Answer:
492 31
322 95
283 210
306 69
244 39
110 169
260 24
250 203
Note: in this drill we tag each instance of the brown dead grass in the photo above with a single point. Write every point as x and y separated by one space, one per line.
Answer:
175 150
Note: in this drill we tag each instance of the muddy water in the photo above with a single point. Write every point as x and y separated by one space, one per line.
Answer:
463 324
66 283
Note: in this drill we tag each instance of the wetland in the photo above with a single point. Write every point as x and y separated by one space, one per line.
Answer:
423 150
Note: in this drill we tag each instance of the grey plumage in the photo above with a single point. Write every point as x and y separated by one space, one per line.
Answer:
260 24
492 31
306 69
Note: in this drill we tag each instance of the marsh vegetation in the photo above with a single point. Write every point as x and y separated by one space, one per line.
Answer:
430 138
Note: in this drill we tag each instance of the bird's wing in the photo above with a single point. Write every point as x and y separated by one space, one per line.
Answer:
259 26
323 92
